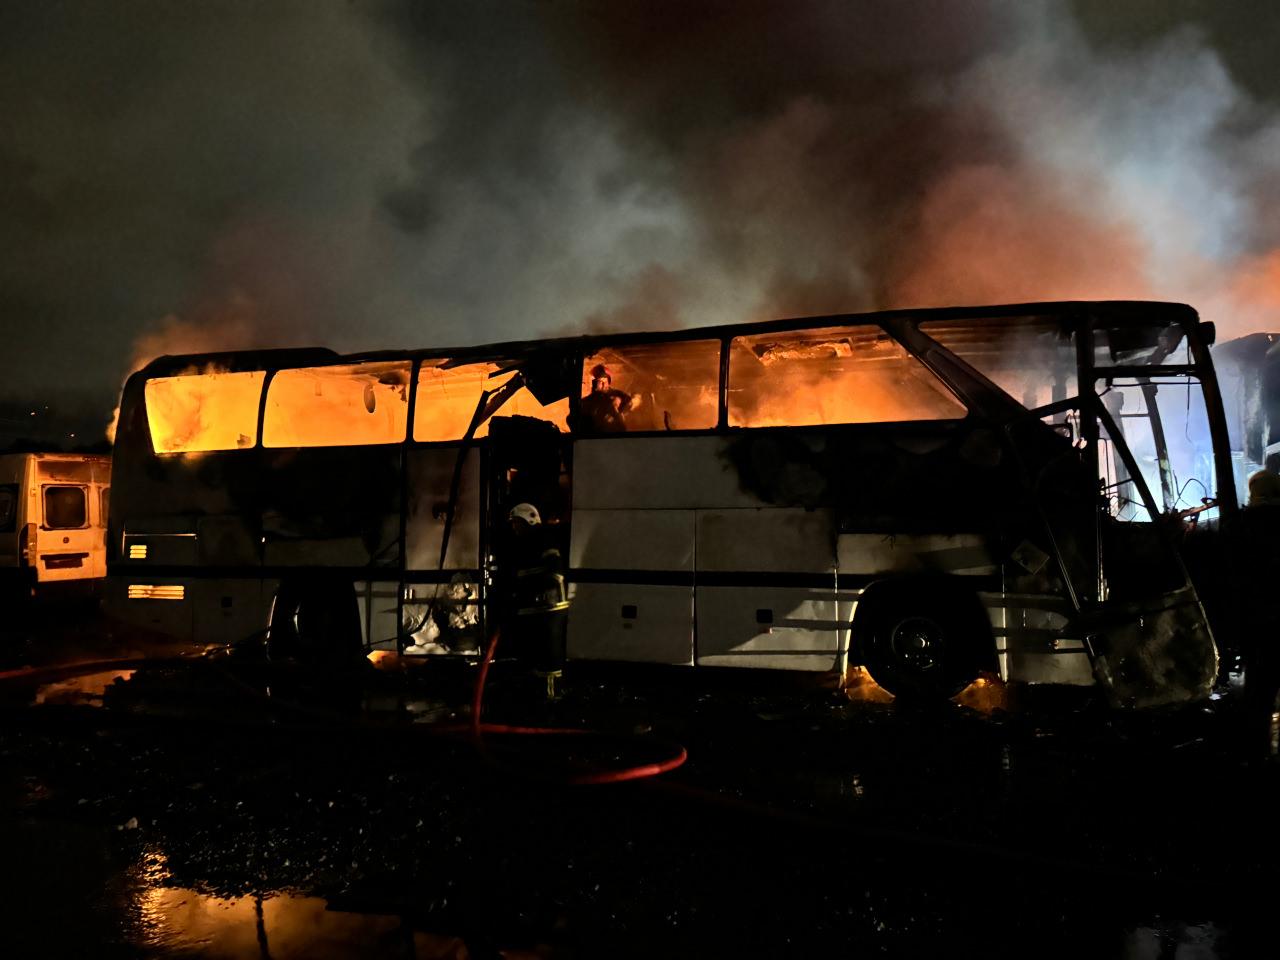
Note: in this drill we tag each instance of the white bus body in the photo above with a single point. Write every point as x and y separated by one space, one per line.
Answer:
745 517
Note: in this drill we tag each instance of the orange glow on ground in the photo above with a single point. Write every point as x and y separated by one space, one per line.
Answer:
987 694
385 659
89 687
858 685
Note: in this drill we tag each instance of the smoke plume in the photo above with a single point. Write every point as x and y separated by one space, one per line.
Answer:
429 173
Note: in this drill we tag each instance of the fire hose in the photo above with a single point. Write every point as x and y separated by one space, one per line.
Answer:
480 728
476 729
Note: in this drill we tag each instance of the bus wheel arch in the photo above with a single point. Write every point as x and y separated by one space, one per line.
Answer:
315 619
922 637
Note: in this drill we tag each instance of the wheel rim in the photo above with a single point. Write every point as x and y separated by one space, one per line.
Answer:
917 644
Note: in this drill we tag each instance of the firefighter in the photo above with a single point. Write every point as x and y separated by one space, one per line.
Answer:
604 409
1258 558
534 620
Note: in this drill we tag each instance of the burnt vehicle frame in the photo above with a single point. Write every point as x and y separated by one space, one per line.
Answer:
929 551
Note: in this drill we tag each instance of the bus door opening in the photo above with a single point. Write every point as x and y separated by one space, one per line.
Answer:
528 464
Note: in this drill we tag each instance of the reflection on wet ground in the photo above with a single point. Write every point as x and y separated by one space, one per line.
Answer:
87 689
178 920
214 807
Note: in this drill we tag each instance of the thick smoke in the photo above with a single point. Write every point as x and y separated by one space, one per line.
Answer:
181 176
836 156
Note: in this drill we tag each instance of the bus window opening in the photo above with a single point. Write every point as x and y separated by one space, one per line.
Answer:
657 386
1165 425
831 376
350 405
1032 359
198 412
448 396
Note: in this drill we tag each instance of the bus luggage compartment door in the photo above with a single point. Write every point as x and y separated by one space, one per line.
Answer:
766 589
632 590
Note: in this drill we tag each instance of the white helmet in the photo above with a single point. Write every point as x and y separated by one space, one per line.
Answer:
526 512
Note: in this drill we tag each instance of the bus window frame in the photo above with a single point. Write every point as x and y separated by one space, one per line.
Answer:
262 397
980 397
339 362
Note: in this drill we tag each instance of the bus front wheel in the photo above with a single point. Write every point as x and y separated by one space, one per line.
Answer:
922 640
315 622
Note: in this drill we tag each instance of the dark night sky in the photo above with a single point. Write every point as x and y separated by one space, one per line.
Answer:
180 176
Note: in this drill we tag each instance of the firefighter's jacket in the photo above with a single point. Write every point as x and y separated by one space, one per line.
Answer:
537 583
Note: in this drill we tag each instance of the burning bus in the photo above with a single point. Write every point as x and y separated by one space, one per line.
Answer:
926 494
53 519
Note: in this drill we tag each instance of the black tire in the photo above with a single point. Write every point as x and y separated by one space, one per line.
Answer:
924 640
315 622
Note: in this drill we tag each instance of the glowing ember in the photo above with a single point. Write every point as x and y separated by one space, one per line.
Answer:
384 659
859 686
987 694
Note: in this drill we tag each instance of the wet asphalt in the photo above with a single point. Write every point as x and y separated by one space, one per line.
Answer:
200 804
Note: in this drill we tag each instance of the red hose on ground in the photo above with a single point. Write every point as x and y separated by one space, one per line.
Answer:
620 775
50 674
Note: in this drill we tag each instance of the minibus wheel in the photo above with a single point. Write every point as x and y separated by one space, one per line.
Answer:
922 639
316 622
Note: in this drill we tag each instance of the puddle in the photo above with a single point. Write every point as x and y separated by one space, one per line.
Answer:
87 689
178 922
175 921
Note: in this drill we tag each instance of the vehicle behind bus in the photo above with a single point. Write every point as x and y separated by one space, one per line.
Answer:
53 519
930 494
1249 368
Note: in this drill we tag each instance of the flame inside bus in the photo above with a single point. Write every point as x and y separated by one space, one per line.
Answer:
212 410
339 405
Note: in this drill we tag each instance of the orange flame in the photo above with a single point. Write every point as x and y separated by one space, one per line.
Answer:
196 412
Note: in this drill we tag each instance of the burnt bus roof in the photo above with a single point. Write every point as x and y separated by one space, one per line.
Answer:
1250 350
1119 312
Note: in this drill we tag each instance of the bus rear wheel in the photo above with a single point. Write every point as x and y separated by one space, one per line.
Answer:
922 641
315 622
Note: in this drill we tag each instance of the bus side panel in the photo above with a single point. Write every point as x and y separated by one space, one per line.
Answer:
632 552
228 610
632 590
656 473
331 507
766 588
1033 642
165 607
